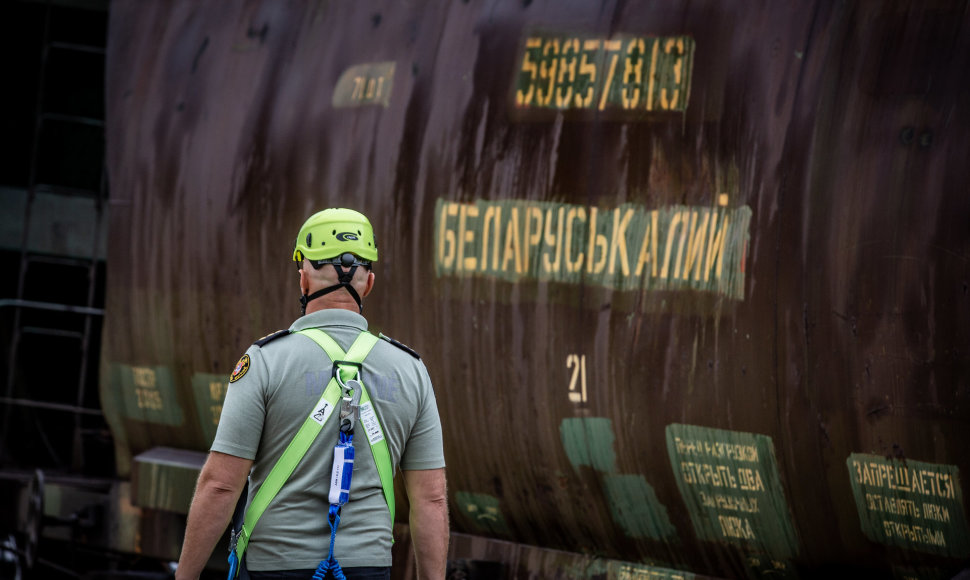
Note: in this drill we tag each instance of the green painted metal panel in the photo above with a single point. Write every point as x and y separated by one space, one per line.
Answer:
632 74
148 393
588 441
483 511
365 84
635 507
629 247
210 391
910 504
730 483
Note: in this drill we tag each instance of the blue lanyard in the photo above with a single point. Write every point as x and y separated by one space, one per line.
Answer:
343 471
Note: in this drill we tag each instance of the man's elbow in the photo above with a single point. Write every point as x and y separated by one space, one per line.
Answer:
437 502
436 493
427 488
216 487
223 476
429 503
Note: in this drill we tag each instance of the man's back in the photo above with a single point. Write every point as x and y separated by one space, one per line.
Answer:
266 405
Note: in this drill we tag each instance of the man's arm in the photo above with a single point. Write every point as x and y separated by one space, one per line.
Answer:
220 483
428 497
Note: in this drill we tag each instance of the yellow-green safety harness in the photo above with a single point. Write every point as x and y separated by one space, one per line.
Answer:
348 365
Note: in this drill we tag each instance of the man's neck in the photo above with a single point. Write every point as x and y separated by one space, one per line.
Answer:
323 303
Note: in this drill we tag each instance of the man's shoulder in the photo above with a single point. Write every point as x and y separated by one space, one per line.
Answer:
399 345
271 337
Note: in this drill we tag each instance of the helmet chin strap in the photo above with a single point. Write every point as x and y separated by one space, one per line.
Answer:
344 276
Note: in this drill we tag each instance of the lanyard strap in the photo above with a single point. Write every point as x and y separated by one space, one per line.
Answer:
368 415
304 437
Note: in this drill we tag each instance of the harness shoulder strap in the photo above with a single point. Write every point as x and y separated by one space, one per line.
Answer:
300 443
368 414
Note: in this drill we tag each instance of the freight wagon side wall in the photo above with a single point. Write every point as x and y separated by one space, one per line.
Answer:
691 280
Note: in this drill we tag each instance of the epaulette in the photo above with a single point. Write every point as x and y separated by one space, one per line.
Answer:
279 333
403 347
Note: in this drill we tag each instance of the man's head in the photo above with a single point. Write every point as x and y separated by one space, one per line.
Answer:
334 250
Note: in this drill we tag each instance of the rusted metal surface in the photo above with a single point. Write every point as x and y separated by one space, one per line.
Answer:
691 279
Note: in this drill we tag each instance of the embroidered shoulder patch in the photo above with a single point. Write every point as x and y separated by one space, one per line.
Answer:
241 367
401 346
278 334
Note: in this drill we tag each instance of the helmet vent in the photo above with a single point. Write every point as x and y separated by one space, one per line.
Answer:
309 237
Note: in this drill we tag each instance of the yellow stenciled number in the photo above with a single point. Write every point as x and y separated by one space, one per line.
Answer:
358 92
633 67
613 48
146 389
217 390
567 65
143 377
651 73
577 383
216 413
587 69
149 399
528 67
677 69
652 78
547 71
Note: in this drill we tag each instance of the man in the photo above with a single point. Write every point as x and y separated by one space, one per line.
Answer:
277 384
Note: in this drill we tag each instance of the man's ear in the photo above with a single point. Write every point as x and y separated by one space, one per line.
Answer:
304 282
370 284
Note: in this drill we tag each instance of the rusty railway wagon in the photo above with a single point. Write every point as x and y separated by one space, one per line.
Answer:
691 278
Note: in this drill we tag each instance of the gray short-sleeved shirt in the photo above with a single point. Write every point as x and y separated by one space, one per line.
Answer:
264 409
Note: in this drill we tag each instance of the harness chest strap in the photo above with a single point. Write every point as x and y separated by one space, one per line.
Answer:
310 428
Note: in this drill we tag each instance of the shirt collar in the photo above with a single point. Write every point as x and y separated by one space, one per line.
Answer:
330 317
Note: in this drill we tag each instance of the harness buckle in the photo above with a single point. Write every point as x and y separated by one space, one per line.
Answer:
233 540
350 408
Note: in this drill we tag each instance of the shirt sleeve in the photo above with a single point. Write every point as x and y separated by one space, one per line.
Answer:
244 408
424 448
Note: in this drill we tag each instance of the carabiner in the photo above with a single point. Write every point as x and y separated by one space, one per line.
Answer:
335 373
350 408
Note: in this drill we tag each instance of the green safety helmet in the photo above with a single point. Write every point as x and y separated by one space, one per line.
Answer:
334 232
